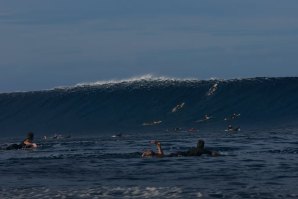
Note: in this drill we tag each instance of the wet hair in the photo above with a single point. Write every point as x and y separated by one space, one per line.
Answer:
30 135
200 144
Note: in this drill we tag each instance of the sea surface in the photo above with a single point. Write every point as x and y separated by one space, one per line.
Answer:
253 164
104 127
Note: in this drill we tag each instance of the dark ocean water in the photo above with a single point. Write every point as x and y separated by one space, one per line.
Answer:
253 164
126 105
260 161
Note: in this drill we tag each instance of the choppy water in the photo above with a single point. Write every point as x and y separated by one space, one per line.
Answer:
256 162
260 163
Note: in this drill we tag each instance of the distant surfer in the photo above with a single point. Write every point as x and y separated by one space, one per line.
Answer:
232 129
178 107
195 151
233 116
118 135
25 144
192 130
212 89
178 129
205 118
57 136
152 123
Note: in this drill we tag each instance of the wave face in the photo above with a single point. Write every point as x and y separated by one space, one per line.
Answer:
126 105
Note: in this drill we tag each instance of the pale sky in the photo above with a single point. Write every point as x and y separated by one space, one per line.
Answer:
50 43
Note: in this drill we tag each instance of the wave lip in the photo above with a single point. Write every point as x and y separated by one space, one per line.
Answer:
143 78
150 78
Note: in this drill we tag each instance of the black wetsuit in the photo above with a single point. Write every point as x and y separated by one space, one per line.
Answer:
18 146
191 152
14 146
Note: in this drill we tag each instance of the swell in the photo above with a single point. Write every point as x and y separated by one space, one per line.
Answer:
126 105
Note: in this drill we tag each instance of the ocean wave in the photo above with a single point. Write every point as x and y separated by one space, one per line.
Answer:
128 104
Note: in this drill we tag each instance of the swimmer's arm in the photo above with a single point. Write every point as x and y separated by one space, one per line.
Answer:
159 149
29 144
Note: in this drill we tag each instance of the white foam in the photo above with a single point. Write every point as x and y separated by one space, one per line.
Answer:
147 77
94 192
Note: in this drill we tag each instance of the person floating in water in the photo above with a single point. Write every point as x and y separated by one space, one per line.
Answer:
196 151
192 130
152 123
25 144
118 135
232 129
206 117
233 116
150 153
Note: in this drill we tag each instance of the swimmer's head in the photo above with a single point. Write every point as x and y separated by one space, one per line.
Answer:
200 144
30 135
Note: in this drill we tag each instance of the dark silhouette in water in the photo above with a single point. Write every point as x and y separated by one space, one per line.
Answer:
25 144
232 117
196 151
150 153
232 129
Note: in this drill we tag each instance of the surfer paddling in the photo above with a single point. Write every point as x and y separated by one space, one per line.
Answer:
150 153
152 123
232 129
25 144
205 118
195 151
232 117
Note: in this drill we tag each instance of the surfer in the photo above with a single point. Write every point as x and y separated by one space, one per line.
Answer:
25 144
117 135
205 118
57 136
212 89
232 129
195 151
150 153
152 123
192 130
178 107
177 129
233 116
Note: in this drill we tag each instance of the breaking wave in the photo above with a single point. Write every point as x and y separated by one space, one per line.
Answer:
129 104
